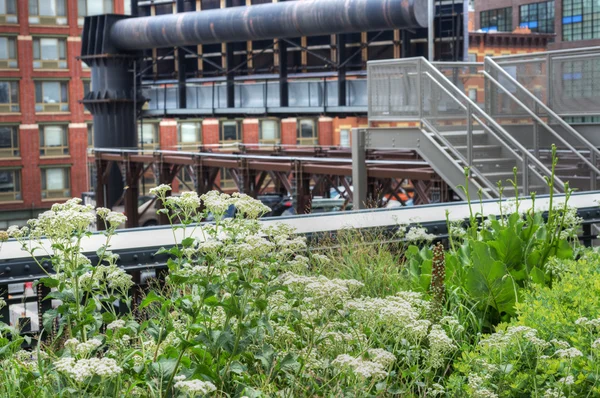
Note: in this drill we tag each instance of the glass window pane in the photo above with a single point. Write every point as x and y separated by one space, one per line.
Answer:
51 92
53 136
189 132
269 130
4 93
3 47
7 182
81 8
95 7
49 48
47 7
307 128
344 137
6 136
230 131
55 179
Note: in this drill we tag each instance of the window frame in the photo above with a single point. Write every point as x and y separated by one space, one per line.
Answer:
53 151
348 131
533 10
55 63
10 17
579 21
238 133
192 145
12 60
155 136
63 104
13 105
314 140
485 19
81 15
265 141
53 194
90 134
14 151
16 194
35 18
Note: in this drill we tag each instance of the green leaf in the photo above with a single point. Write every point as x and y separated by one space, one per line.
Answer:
151 298
108 317
537 276
164 368
187 242
508 248
48 282
489 282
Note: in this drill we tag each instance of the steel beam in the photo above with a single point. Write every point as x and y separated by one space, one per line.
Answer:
359 168
268 21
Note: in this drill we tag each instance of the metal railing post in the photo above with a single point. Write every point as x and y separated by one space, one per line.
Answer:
419 89
536 133
525 175
469 136
594 175
549 81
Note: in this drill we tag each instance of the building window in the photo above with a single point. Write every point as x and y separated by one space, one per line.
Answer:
473 94
51 96
472 57
581 20
92 176
8 11
9 141
90 135
581 79
498 20
56 182
307 132
148 136
47 12
10 185
49 53
54 141
269 132
345 137
538 17
8 53
230 132
189 136
95 7
9 96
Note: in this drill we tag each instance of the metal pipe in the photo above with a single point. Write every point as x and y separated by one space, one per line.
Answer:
267 21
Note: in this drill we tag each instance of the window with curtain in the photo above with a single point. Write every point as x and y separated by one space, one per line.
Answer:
51 96
54 141
269 132
56 182
8 52
189 135
49 53
47 12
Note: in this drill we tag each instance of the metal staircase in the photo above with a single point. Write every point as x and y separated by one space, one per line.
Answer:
540 90
454 124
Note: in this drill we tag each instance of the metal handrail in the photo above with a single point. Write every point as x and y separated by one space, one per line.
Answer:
503 134
544 53
574 133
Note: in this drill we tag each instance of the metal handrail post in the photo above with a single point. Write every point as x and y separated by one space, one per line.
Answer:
525 175
549 81
594 175
419 89
536 133
469 136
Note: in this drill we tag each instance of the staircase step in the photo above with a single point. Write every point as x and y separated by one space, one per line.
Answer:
480 151
509 190
494 164
460 137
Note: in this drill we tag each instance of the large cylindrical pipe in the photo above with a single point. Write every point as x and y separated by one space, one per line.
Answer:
268 21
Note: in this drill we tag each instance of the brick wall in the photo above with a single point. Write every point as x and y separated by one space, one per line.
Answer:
289 132
210 132
250 131
325 131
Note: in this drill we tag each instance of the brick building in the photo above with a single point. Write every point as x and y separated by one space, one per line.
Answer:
575 23
43 127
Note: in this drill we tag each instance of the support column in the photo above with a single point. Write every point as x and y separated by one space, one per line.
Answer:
229 61
181 68
283 74
302 196
359 168
132 175
341 58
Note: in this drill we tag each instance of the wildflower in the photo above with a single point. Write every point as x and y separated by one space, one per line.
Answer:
568 353
80 370
567 380
437 287
439 344
595 344
160 190
553 393
195 387
321 258
419 234
383 357
4 236
363 369
115 325
248 206
436 389
560 343
476 383
216 203
114 219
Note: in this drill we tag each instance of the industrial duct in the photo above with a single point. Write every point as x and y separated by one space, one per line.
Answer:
268 21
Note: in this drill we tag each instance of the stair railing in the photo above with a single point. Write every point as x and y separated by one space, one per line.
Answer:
492 70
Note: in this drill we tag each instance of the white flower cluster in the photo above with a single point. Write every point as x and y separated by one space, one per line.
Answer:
381 356
194 387
321 258
476 383
188 202
567 381
570 224
419 234
209 246
594 323
248 206
596 344
435 390
360 367
80 370
513 335
568 353
321 287
160 190
252 247
392 313
216 203
82 348
439 345
553 393
116 325
112 218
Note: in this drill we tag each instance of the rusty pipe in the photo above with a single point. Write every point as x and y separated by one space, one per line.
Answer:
267 21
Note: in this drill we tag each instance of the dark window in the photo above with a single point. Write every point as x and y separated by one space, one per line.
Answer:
230 131
538 17
498 20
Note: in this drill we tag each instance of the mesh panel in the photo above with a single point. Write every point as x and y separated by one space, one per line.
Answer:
393 91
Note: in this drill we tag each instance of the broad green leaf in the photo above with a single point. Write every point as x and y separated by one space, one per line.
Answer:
151 298
537 276
508 248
